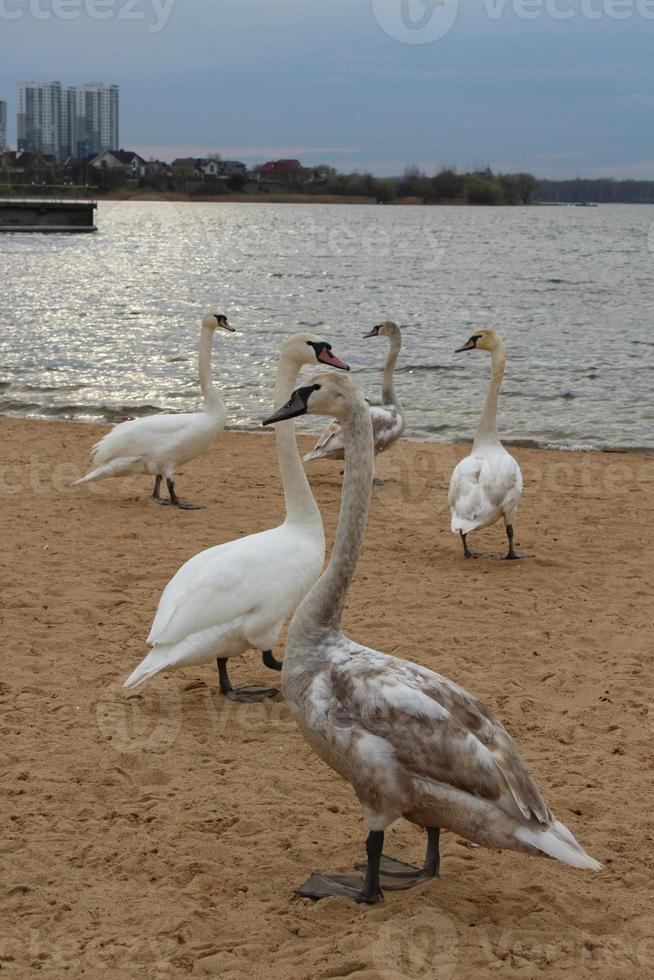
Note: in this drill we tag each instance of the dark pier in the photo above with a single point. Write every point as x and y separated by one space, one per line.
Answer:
47 216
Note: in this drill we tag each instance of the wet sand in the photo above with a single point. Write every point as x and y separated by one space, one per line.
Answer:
161 834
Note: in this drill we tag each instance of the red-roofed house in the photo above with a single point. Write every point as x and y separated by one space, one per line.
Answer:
280 172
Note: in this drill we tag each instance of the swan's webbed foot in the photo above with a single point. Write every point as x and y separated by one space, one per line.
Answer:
250 694
365 891
512 555
319 886
396 875
467 553
175 500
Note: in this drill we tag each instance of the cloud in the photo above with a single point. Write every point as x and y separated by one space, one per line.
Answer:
170 151
322 82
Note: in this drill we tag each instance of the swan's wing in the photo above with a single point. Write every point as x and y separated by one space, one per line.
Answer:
136 437
465 495
215 586
387 425
501 480
437 730
330 444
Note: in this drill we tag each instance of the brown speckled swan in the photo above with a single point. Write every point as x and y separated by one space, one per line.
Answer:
412 743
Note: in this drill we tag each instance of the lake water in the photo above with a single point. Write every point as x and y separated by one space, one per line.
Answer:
106 326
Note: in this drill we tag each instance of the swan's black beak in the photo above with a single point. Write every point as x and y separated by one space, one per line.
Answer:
296 405
469 345
373 333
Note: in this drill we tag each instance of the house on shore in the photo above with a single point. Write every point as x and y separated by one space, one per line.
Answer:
208 168
26 167
286 172
130 164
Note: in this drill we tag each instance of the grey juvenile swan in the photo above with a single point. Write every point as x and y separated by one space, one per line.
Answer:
412 743
388 419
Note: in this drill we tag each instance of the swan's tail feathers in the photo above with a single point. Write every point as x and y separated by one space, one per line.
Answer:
461 526
148 667
314 454
116 467
324 452
558 843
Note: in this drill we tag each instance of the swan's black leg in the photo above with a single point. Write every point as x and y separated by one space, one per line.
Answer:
467 553
432 864
397 875
250 694
367 891
270 661
380 870
156 495
176 502
371 891
512 554
223 677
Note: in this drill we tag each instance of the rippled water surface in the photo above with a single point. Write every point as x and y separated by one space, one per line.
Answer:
106 326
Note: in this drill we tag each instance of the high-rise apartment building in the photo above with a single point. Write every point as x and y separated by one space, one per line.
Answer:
39 117
73 121
96 118
3 125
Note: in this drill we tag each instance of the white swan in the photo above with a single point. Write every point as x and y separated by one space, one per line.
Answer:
158 443
487 484
412 743
237 596
388 419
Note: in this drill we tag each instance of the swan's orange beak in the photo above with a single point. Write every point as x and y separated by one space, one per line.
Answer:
327 357
469 345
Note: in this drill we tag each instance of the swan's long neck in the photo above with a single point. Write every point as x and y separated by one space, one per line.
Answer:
487 428
300 503
322 609
388 391
212 400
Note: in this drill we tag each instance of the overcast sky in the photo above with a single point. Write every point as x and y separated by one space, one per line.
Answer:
360 84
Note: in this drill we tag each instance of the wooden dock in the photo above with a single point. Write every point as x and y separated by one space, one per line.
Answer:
31 215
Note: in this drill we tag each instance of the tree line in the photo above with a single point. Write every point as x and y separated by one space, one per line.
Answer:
603 190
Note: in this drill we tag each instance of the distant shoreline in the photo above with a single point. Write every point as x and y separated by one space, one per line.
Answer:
179 198
175 197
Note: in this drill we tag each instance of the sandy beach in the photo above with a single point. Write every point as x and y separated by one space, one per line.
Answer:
161 833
